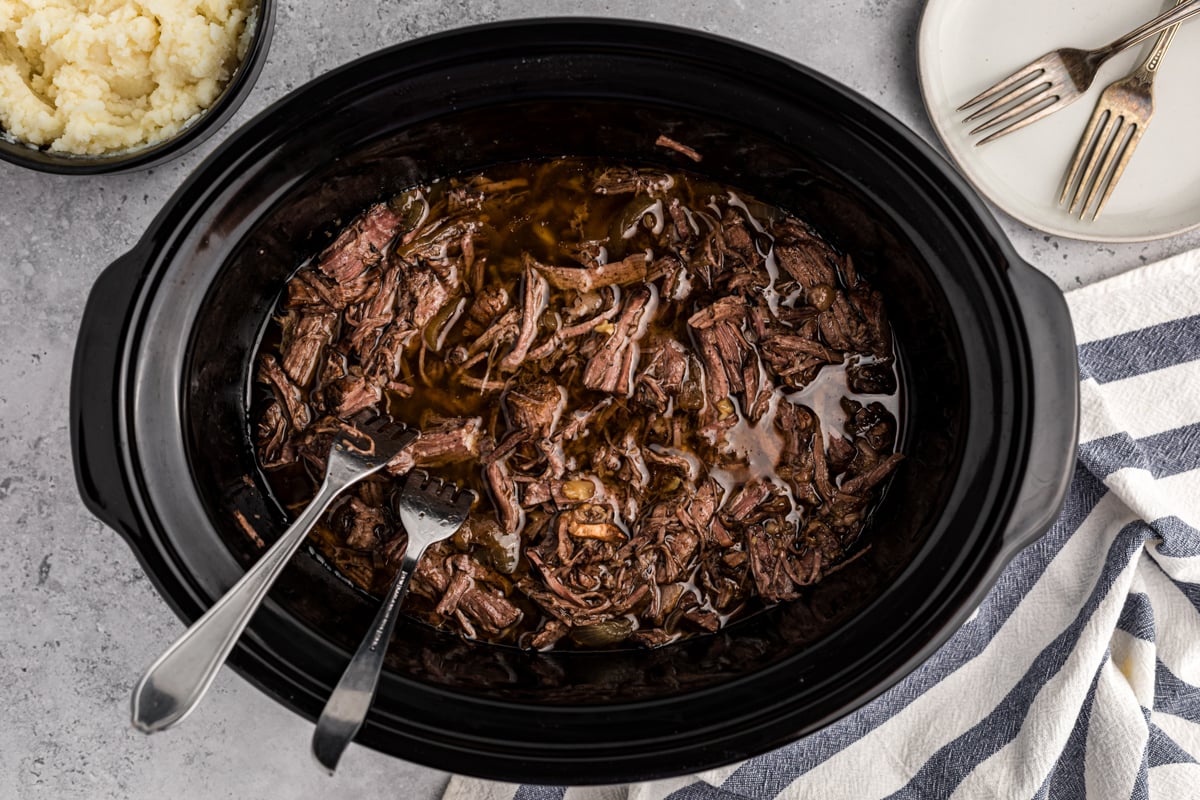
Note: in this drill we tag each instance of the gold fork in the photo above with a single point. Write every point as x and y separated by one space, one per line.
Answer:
1056 80
1121 116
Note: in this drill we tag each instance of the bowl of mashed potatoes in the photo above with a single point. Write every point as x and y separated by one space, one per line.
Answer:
91 86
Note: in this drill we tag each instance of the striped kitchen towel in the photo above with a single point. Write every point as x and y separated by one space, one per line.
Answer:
1079 676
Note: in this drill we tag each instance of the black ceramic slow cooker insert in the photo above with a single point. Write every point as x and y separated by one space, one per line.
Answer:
159 391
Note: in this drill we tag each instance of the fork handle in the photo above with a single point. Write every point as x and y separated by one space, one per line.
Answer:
1147 69
347 707
181 676
1179 13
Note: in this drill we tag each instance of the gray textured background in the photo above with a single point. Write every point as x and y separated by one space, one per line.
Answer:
78 620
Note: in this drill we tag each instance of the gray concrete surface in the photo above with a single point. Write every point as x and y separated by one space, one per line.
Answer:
78 620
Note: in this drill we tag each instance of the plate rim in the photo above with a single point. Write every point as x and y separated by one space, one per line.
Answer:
934 7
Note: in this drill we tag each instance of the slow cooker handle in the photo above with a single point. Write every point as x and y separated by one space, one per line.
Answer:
95 433
1055 425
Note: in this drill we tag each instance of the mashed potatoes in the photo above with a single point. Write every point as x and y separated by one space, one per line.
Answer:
94 76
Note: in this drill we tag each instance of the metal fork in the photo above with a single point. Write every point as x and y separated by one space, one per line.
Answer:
1057 79
181 676
1121 116
430 510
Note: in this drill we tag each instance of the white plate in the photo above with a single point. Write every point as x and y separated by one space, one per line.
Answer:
966 45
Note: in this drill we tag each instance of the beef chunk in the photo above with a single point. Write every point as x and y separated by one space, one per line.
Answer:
360 246
611 368
796 360
877 377
732 364
663 378
620 180
348 395
420 295
489 610
535 407
367 319
273 447
312 291
363 526
532 303
290 398
488 305
629 270
451 442
805 257
504 495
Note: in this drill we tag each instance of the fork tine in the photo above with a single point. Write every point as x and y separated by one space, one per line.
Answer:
1092 175
1023 75
1016 117
375 424
377 434
1017 95
1087 143
364 419
1126 154
1109 174
1016 126
461 498
416 479
390 426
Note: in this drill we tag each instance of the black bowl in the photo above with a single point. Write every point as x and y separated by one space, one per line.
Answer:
191 134
160 390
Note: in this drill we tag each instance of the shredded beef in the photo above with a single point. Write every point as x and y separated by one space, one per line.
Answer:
677 404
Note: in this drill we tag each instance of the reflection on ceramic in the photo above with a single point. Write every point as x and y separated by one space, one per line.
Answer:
964 47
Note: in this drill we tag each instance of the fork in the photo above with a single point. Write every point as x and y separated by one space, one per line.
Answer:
1121 116
430 510
1056 80
179 679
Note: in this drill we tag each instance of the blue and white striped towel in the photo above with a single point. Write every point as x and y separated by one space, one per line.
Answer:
1079 676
